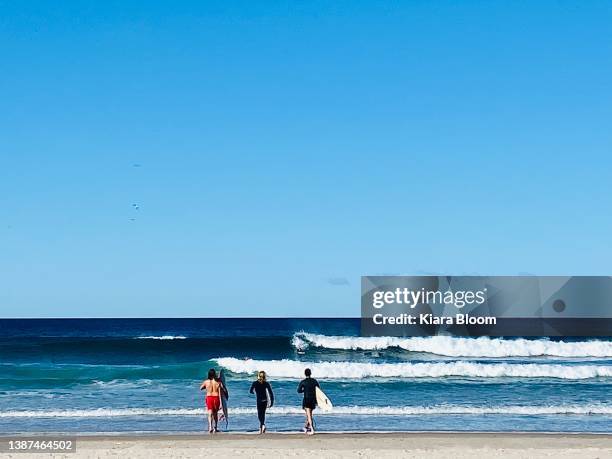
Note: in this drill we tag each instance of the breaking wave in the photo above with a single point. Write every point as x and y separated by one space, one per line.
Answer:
460 347
357 370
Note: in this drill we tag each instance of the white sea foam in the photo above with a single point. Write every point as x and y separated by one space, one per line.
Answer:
164 337
460 347
357 370
593 409
30 393
123 383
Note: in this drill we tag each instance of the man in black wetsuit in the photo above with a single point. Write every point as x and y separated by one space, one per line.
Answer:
308 388
261 387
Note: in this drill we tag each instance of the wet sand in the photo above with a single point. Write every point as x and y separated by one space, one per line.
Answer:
327 445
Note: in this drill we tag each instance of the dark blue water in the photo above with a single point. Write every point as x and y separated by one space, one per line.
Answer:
143 375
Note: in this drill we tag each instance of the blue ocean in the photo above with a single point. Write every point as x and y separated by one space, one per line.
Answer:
143 375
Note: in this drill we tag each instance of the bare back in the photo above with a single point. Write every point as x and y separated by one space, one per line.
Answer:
212 387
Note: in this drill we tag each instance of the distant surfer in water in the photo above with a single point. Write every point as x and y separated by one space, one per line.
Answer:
308 388
261 388
214 388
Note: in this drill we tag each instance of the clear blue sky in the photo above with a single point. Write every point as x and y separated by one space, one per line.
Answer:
287 148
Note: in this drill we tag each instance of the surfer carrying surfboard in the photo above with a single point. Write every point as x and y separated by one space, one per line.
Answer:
308 387
213 388
262 388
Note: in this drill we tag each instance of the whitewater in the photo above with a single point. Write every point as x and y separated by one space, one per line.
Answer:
358 370
458 346
337 411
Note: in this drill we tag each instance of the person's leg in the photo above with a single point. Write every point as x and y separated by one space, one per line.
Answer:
216 419
261 415
308 426
210 428
309 419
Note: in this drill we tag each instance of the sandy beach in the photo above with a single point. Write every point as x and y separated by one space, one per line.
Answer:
411 445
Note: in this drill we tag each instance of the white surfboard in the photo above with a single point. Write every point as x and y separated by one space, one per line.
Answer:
323 400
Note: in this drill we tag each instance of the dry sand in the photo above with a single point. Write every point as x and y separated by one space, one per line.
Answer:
380 445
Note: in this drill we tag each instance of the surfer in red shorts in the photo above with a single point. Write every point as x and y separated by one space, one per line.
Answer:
214 389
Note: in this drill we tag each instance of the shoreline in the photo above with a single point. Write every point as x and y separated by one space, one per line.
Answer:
281 434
